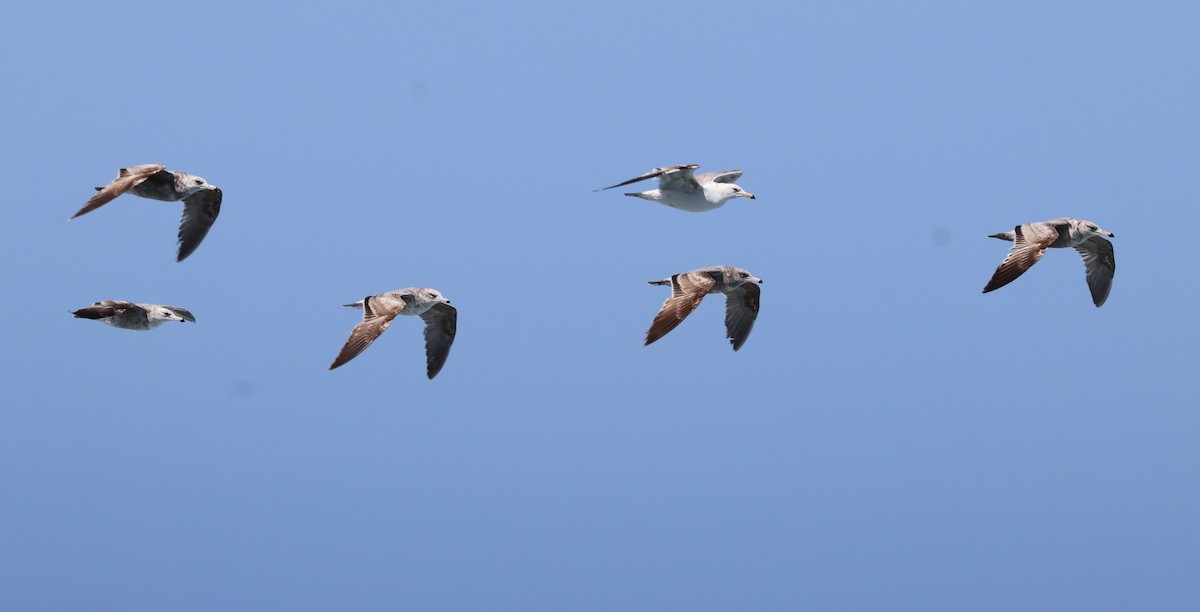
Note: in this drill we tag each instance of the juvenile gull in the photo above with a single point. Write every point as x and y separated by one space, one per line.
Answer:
201 200
441 321
688 288
679 188
1031 240
128 315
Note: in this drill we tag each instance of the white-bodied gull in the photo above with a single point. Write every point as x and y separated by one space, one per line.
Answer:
679 188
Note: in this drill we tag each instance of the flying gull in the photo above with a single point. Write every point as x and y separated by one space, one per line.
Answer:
201 200
1032 239
679 188
128 315
441 321
688 288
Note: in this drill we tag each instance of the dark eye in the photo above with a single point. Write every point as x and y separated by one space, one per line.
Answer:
199 182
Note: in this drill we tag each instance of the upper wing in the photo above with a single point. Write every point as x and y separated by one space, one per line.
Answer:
127 178
687 290
183 312
741 309
378 312
724 176
674 177
1032 240
104 309
1101 264
441 324
200 211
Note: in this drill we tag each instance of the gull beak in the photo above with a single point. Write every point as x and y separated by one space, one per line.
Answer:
747 194
1111 235
756 279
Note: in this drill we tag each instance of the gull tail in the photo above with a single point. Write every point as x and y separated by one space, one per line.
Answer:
665 281
1009 236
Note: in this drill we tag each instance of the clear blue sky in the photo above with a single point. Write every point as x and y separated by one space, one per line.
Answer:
888 438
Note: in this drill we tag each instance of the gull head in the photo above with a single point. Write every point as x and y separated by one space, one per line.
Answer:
741 277
1093 229
161 315
737 192
429 297
193 183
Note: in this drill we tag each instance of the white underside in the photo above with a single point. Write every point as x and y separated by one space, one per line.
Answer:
690 202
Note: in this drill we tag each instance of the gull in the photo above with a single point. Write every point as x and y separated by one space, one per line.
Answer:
679 188
441 321
1031 240
128 315
688 288
201 200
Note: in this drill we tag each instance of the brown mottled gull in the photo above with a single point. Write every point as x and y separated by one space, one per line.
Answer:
1031 240
689 288
201 200
128 315
441 322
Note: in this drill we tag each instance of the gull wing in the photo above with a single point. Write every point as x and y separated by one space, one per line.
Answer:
105 309
441 324
741 310
200 211
687 290
127 178
724 176
671 177
1100 265
378 312
1030 243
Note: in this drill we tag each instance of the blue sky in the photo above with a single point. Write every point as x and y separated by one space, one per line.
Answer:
888 438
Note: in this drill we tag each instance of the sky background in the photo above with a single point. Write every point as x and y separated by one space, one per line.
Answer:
888 438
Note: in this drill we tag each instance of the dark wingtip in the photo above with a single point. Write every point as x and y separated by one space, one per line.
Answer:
184 254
